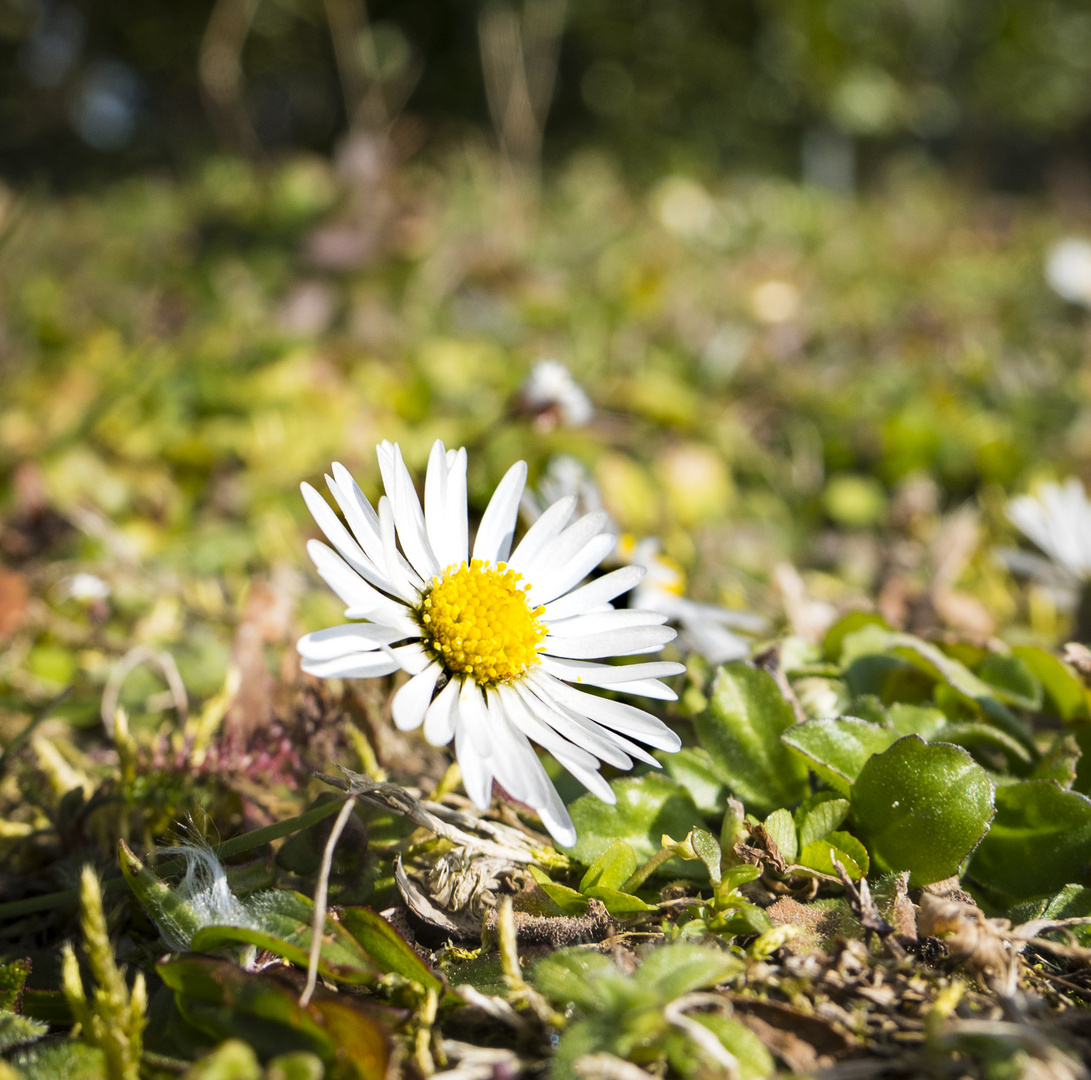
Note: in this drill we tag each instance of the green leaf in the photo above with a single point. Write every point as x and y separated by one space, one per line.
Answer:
693 768
1039 840
177 920
284 929
680 968
836 749
1060 761
226 1001
741 731
781 827
13 976
1072 902
819 855
569 976
387 948
16 1030
1065 694
923 720
964 682
922 808
612 868
67 1060
1012 681
754 1061
647 807
821 819
618 903
568 900
848 624
986 737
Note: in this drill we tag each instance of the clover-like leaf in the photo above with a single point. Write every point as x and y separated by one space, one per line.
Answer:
741 730
922 808
836 749
647 807
1039 840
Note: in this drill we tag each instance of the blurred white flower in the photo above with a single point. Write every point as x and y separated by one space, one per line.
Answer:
1068 270
501 645
87 587
1058 519
564 476
554 397
703 628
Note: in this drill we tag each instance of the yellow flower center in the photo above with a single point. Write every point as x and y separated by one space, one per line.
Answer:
477 622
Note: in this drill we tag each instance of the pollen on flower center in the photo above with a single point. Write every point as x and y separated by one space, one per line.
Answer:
477 622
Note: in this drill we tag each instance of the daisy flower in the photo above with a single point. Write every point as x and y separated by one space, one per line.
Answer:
554 397
1058 519
1068 270
500 644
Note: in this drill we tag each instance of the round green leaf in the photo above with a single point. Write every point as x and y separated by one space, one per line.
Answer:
647 807
922 808
1039 841
741 730
836 749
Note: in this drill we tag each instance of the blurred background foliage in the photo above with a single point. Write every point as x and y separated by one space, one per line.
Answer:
792 251
1000 88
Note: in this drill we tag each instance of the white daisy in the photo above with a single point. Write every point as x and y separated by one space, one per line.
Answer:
551 393
1068 270
494 639
1058 519
704 628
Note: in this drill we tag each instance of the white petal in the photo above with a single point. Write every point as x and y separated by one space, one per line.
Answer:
400 579
595 593
497 528
348 584
476 772
557 821
637 639
411 657
559 551
458 543
516 766
336 641
577 729
611 675
442 715
409 519
435 504
341 539
474 717
358 511
364 665
573 571
581 763
599 621
616 715
547 526
411 702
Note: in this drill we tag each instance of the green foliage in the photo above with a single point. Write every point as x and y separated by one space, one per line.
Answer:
627 1015
1040 836
741 732
647 807
224 1001
922 808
